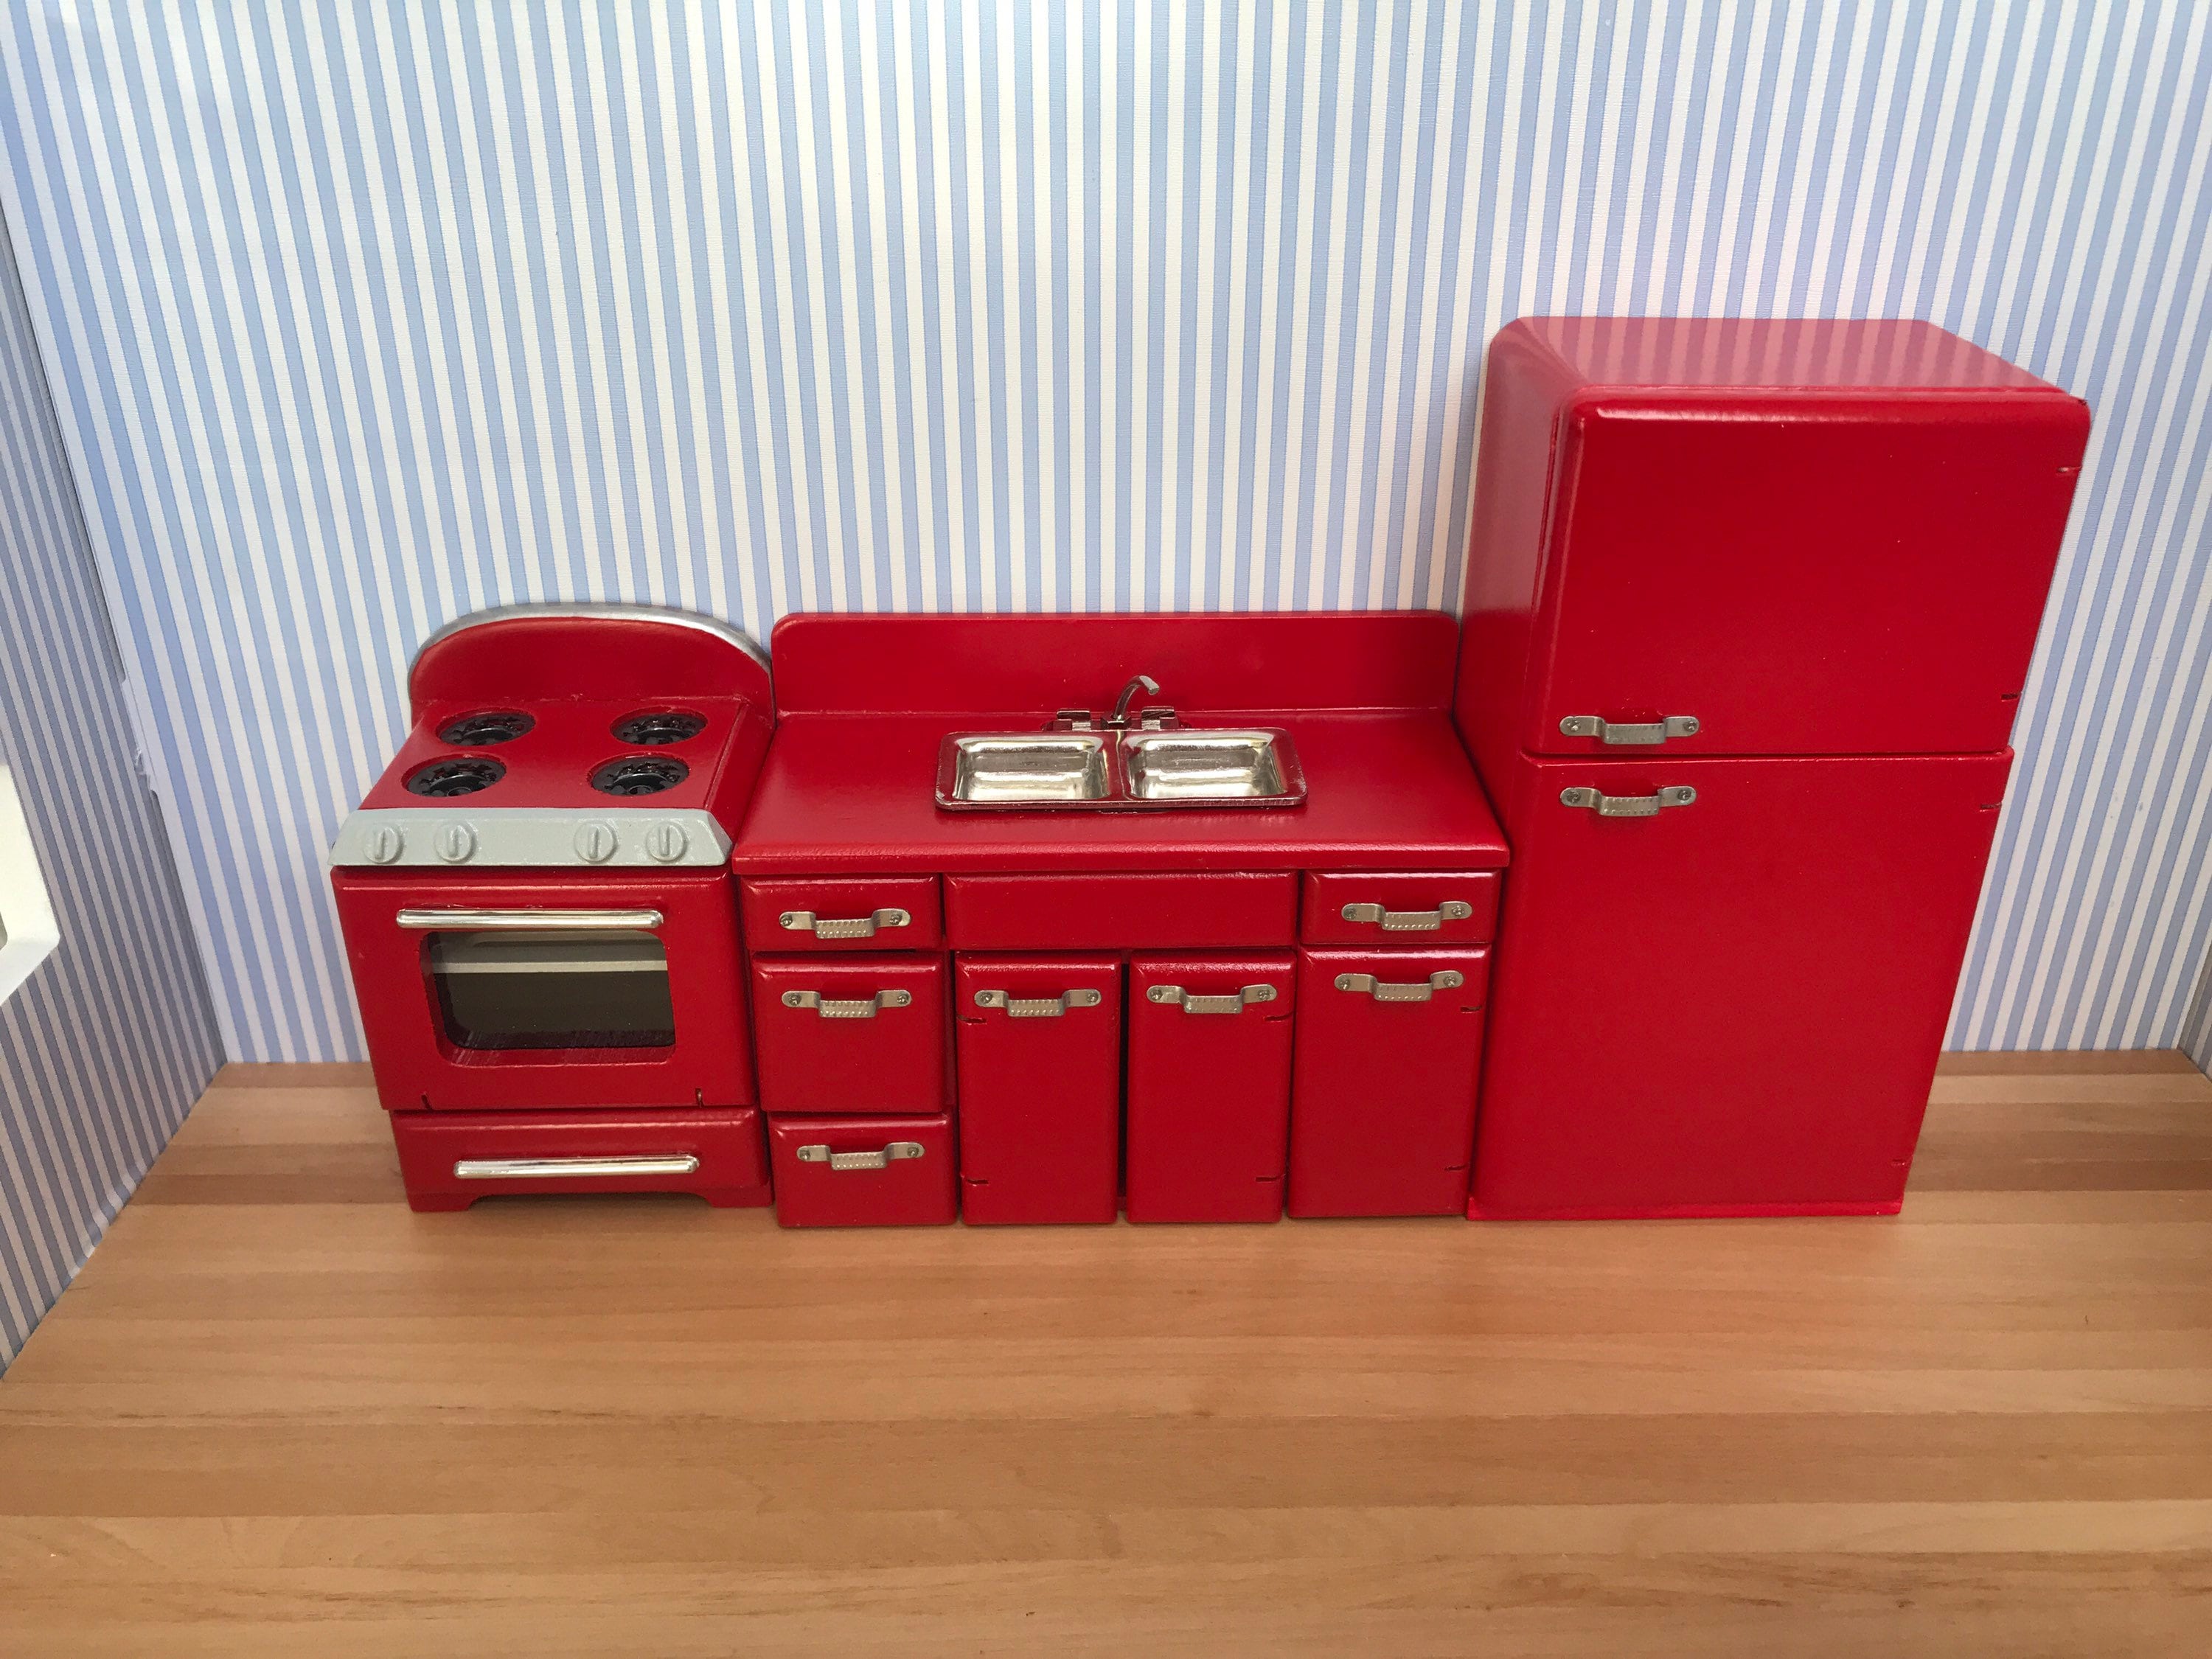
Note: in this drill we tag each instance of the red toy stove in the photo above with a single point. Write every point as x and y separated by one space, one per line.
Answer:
539 913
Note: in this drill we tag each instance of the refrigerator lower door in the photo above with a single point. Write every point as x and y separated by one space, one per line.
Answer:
1720 985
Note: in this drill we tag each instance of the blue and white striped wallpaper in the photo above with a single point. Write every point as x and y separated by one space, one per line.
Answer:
107 1044
360 315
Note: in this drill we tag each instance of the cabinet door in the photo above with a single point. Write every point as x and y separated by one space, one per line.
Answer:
850 1033
1040 1058
1209 1086
1731 1006
1389 1048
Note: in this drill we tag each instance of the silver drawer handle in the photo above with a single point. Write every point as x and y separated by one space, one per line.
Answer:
805 921
521 920
897 1152
1591 726
1444 979
1628 806
1037 1007
541 1169
1231 1003
1410 921
854 1008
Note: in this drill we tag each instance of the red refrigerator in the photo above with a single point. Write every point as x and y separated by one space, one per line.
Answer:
1748 606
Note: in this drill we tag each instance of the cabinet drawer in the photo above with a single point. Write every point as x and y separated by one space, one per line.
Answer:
850 1033
863 1171
1390 1050
1417 907
450 1159
1209 1086
1119 912
838 912
1039 1041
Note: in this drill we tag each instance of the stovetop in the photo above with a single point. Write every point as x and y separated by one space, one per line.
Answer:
504 768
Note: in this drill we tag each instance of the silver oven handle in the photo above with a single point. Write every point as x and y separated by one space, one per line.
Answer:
539 1169
526 921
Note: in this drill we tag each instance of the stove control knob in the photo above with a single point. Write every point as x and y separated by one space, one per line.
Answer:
456 843
667 842
595 842
385 844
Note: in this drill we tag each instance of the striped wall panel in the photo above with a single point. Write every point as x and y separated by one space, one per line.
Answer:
105 1047
362 315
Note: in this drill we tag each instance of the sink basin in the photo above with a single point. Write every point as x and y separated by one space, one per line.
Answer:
1204 766
1023 768
1177 767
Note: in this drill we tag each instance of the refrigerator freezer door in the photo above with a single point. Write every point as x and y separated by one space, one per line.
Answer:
1731 1006
1770 576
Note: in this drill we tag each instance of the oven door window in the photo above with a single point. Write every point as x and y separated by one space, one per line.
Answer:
571 988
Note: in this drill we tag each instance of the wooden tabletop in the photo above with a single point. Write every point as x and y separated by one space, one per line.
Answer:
280 1414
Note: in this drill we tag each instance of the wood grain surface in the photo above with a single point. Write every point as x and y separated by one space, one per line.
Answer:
280 1414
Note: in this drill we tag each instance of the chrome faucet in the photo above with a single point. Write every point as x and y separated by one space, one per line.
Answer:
1119 719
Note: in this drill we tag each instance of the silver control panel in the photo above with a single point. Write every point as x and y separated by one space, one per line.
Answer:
530 838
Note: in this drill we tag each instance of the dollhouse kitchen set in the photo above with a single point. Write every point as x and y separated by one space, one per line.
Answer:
1640 890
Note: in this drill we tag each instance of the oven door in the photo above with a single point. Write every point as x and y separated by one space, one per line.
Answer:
513 992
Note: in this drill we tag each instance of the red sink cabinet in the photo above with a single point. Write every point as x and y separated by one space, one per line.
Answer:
1124 996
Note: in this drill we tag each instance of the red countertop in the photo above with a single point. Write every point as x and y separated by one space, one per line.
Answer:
850 783
1384 791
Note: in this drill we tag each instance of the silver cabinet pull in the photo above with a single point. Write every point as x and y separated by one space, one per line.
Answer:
1628 806
1231 1003
1037 1007
522 921
541 1169
1591 726
897 1152
1410 921
805 921
854 1008
1444 979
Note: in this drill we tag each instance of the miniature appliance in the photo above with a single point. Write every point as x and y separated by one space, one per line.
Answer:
539 913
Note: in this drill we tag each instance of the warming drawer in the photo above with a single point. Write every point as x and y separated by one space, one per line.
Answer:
450 1159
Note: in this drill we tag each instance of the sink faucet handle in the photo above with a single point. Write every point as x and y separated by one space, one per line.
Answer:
1120 719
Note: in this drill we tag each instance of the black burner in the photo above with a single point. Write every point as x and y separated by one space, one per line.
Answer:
480 730
658 725
638 774
464 775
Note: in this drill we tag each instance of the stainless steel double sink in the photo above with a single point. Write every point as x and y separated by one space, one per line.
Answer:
1178 767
